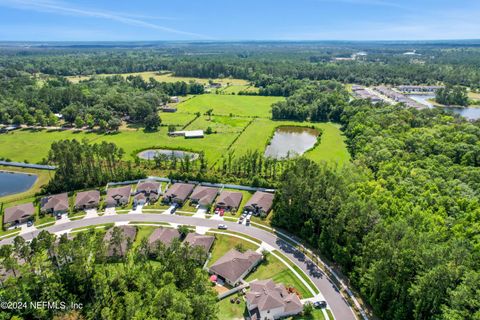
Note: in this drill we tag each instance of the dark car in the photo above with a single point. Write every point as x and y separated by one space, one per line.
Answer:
320 304
29 223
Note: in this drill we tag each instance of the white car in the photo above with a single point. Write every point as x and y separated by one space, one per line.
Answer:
222 226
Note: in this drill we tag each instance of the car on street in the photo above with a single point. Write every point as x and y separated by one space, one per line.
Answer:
320 304
222 227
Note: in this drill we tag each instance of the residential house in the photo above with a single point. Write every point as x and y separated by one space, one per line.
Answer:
260 202
267 300
199 240
235 265
163 235
118 196
56 204
120 249
87 200
18 214
174 99
203 196
147 191
178 193
229 200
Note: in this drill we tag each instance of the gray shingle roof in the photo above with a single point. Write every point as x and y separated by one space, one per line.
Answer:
20 212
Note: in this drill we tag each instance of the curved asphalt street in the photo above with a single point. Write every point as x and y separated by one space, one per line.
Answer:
341 310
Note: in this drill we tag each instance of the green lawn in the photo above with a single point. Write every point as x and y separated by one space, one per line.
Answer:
317 314
332 147
219 124
231 311
176 118
143 232
273 268
224 243
247 106
237 88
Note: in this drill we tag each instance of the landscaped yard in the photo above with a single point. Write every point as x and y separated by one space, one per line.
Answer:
273 268
232 311
224 243
143 232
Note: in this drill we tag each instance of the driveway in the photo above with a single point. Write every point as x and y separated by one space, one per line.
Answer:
341 310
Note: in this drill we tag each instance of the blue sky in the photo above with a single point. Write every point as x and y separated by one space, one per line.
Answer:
124 20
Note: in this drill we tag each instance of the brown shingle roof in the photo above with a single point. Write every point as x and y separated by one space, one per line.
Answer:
179 191
114 194
148 186
235 263
87 198
20 212
57 202
129 232
195 239
266 295
261 201
230 199
204 195
164 235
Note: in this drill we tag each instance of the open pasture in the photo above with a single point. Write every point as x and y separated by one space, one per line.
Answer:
245 106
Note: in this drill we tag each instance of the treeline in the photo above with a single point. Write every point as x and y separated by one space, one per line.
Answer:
401 221
82 165
99 102
61 271
452 96
384 64
321 101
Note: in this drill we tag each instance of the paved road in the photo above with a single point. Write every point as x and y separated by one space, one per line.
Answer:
338 305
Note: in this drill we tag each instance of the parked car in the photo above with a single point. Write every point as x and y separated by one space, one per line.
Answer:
58 216
222 227
240 220
221 212
320 304
29 223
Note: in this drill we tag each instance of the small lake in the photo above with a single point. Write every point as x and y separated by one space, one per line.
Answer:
291 141
178 154
469 113
11 183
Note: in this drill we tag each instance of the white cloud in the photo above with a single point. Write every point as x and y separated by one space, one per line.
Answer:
65 9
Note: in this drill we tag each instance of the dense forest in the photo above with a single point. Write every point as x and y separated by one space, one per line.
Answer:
385 63
82 165
402 220
98 102
146 283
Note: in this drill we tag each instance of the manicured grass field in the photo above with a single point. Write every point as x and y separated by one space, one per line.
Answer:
43 176
237 88
143 232
224 243
219 124
247 106
176 118
168 77
332 146
232 311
